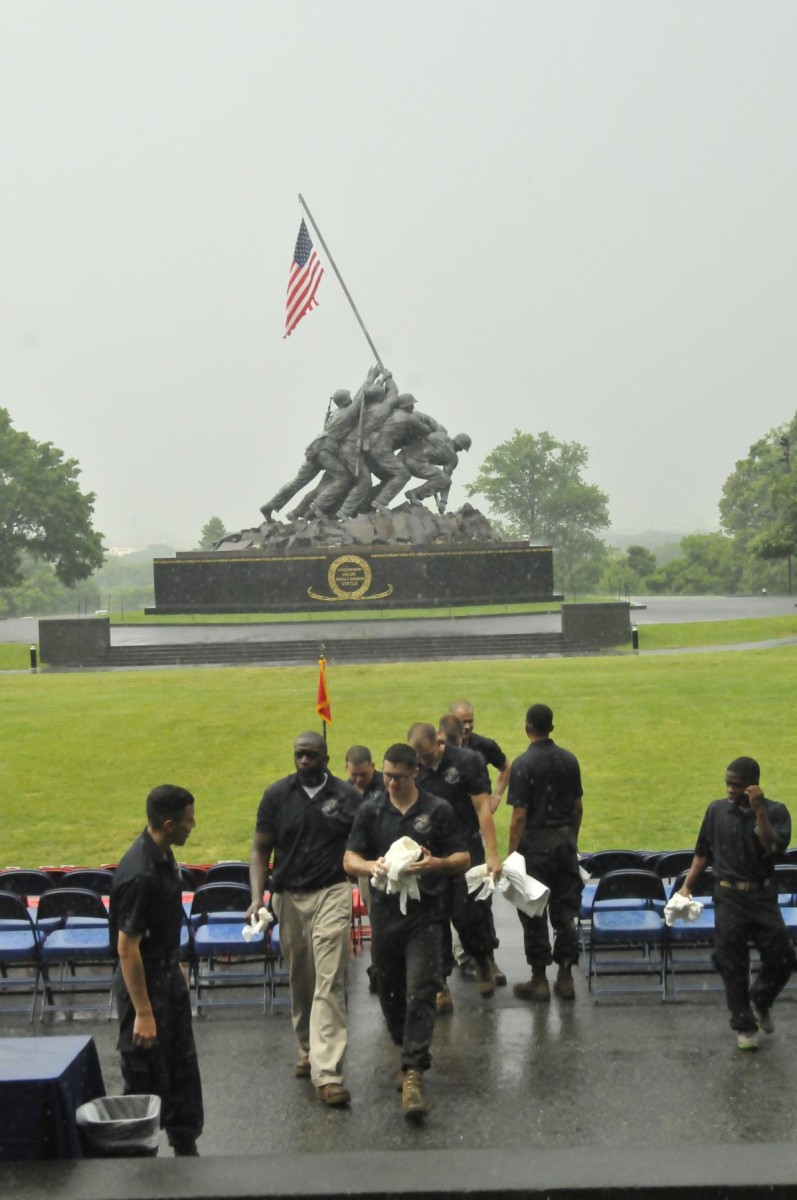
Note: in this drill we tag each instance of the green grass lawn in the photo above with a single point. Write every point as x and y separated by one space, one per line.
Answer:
80 751
716 633
14 656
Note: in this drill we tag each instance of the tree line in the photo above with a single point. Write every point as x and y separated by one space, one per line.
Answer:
53 560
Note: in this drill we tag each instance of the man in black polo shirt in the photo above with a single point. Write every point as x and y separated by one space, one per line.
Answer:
305 820
146 915
545 794
363 775
460 777
407 947
742 837
362 772
489 750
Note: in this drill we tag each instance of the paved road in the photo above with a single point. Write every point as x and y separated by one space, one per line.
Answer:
652 610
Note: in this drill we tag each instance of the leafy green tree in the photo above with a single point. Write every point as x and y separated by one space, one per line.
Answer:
42 510
535 485
709 564
759 500
212 532
640 561
627 574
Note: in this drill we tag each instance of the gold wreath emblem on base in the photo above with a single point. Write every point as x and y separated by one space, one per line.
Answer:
360 592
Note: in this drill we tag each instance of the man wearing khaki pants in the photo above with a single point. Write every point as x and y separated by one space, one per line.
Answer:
305 819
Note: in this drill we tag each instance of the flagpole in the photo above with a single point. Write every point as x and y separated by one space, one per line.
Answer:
340 280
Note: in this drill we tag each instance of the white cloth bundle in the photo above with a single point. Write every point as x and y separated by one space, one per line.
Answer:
257 924
522 890
480 880
402 852
681 908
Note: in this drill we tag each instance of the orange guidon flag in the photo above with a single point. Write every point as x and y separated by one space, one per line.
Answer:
322 705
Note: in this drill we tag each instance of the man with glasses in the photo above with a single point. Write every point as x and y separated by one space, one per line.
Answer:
407 947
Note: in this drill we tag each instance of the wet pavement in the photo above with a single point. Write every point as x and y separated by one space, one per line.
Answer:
647 610
629 1072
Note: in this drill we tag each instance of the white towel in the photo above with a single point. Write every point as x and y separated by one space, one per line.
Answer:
403 852
480 880
522 890
681 908
257 924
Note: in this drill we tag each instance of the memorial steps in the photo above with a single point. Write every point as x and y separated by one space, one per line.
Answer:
300 652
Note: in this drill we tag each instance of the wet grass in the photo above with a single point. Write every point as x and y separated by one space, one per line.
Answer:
79 752
14 656
716 633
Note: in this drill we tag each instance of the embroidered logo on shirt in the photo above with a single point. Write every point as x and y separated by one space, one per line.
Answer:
451 775
422 823
329 807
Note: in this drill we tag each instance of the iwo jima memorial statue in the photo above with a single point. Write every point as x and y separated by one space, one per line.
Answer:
343 544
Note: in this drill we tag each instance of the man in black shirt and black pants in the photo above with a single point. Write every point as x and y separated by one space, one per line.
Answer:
460 777
545 794
488 749
305 820
146 916
407 947
742 837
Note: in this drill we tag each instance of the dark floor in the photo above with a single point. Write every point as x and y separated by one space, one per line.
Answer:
631 1071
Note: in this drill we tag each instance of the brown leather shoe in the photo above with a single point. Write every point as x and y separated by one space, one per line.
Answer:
413 1104
564 986
333 1094
484 977
536 990
444 1002
302 1068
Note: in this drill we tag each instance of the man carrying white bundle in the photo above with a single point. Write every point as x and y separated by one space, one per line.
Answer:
406 947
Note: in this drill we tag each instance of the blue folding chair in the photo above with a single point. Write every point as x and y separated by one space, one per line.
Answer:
224 961
19 953
672 862
77 959
627 941
93 879
690 944
596 865
232 871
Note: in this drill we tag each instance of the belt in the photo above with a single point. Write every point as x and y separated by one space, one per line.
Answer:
166 960
744 885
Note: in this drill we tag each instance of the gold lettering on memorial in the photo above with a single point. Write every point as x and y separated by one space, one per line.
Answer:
349 578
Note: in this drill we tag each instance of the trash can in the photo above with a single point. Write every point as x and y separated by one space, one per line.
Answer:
121 1126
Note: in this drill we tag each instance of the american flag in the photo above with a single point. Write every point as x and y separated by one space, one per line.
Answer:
306 273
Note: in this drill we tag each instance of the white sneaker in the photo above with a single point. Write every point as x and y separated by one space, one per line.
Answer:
747 1041
764 1018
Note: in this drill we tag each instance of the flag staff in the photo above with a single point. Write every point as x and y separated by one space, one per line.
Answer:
340 280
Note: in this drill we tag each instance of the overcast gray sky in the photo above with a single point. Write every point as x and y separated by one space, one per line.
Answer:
577 217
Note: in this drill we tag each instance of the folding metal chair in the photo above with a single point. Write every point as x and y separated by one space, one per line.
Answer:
19 953
223 959
228 872
690 943
628 941
78 950
93 879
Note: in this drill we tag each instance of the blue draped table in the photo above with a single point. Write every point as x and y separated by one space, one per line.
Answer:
43 1081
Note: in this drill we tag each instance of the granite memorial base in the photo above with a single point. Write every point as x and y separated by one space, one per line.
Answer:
598 625
69 642
327 578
